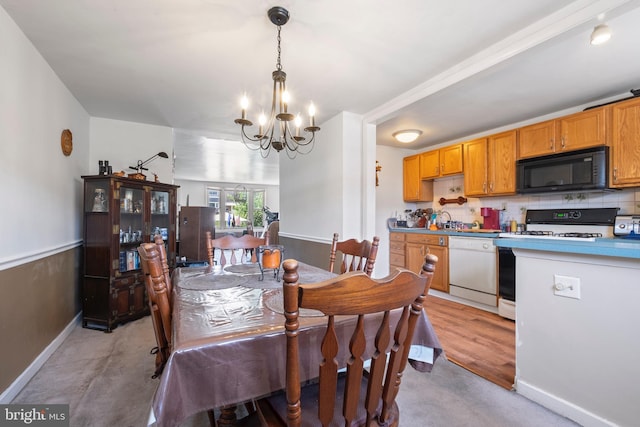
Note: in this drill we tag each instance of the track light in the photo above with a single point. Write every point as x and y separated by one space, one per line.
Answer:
601 34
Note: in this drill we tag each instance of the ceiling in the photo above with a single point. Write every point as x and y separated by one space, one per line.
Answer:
451 69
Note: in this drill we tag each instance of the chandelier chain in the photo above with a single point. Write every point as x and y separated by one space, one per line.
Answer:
278 64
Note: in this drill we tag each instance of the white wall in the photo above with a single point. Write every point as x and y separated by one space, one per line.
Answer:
42 188
124 143
389 201
311 187
578 357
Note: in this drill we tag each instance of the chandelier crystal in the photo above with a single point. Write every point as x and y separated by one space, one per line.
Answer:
275 131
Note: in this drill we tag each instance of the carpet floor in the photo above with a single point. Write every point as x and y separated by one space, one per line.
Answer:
106 380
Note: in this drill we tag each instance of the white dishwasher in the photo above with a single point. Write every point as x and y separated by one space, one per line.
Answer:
472 269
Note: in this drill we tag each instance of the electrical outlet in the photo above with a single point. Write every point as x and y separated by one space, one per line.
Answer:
566 286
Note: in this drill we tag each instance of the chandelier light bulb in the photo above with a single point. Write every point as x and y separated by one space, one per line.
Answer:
312 113
244 104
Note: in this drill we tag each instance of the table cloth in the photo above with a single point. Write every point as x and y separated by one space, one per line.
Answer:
229 344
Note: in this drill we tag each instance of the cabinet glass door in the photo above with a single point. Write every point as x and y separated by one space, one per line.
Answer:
96 197
131 227
160 220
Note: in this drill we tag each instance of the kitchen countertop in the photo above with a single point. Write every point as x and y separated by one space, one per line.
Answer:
447 232
609 247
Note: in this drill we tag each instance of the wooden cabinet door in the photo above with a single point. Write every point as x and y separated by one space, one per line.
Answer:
414 256
582 130
502 163
440 280
430 164
451 160
537 139
414 188
625 144
475 171
411 178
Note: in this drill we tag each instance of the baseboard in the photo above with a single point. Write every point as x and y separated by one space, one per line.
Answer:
12 391
561 406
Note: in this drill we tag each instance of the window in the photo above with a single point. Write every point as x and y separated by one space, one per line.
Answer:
242 206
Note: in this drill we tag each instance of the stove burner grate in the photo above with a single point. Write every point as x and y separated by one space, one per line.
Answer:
580 235
533 233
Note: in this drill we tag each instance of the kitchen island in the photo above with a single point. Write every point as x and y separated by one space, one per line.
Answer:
578 355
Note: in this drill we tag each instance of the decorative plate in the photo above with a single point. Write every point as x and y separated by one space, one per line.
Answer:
66 142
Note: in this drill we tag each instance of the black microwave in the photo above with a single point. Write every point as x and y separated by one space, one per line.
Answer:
580 170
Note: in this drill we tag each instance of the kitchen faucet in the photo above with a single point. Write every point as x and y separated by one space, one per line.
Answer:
440 217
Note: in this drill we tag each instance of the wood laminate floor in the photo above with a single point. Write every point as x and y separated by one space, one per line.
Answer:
482 342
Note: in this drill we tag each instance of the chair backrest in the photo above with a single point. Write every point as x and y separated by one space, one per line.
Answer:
159 300
229 245
356 255
272 233
355 293
165 265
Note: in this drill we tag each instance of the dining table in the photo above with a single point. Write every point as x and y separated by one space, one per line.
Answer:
229 344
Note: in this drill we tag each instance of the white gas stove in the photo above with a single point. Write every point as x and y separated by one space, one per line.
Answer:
567 224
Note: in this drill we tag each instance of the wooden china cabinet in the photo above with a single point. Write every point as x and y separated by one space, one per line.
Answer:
119 214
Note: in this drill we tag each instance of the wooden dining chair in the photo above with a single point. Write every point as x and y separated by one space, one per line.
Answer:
356 255
162 251
229 246
159 301
357 397
157 283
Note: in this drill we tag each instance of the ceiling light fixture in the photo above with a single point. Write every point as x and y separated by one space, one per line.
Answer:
275 131
601 34
407 135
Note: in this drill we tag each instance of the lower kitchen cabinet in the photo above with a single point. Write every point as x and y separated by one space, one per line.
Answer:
416 248
396 250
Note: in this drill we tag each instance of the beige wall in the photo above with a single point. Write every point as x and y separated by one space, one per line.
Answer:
39 299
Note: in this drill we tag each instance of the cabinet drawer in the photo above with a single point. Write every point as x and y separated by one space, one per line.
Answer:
396 260
396 237
396 247
428 239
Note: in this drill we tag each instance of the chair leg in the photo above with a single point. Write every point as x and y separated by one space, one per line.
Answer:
227 416
212 418
250 406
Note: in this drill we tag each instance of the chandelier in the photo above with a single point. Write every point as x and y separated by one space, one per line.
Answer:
275 131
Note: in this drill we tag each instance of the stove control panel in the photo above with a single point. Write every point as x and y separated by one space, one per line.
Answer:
627 224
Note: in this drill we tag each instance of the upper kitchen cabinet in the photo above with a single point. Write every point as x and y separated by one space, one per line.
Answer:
573 132
625 144
443 162
414 188
430 164
490 165
451 162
